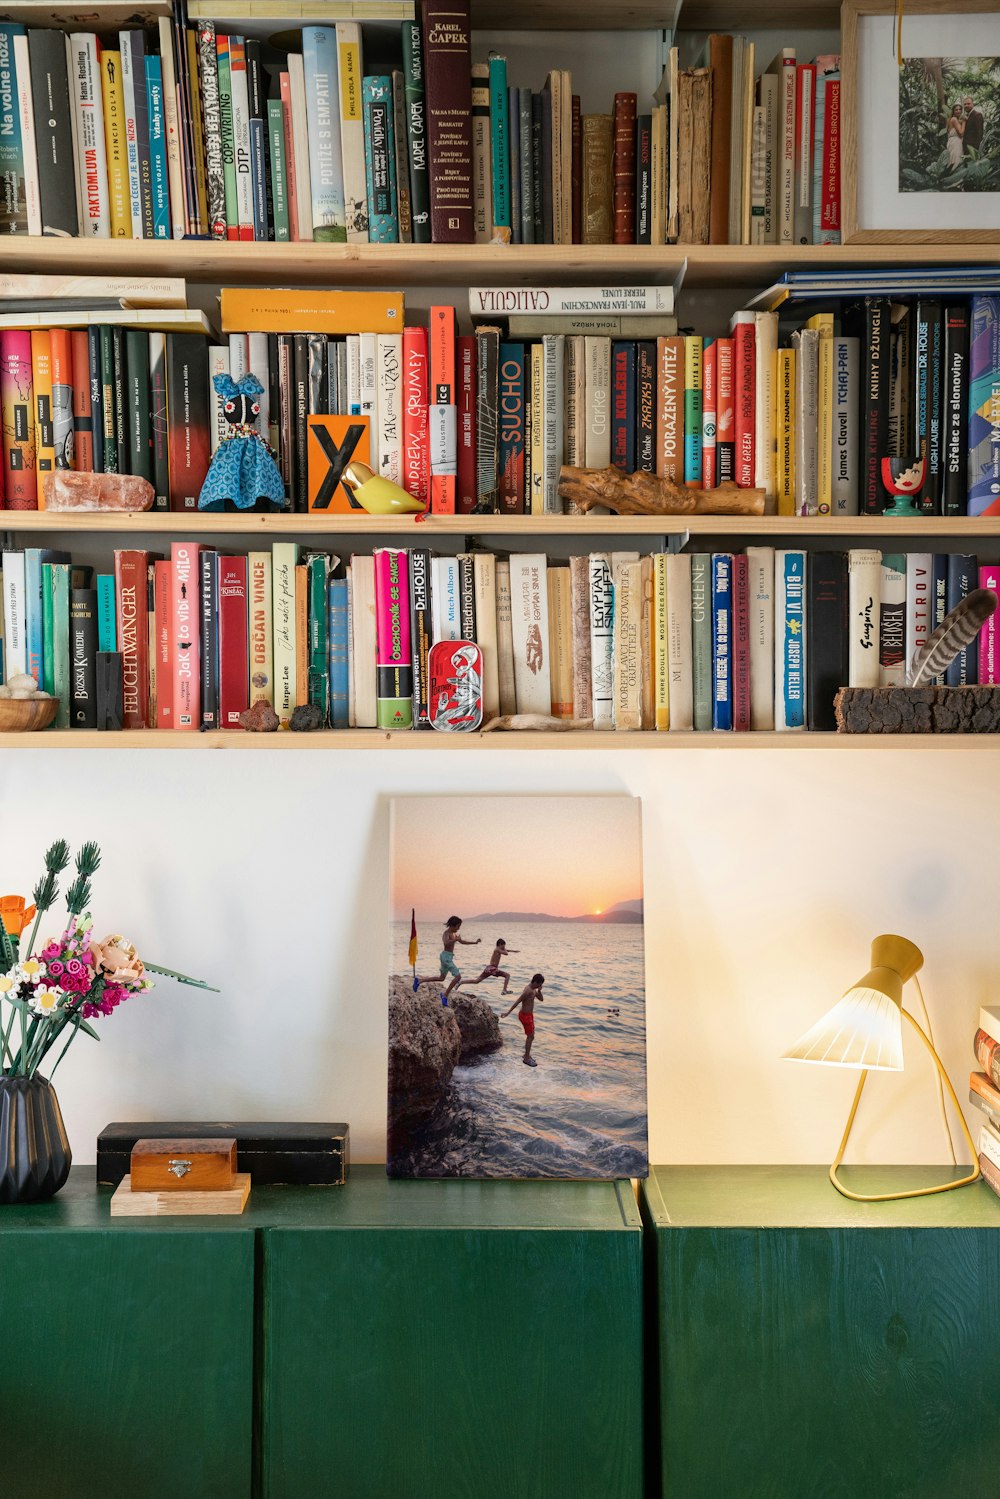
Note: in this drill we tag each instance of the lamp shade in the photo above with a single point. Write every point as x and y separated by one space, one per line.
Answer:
865 1027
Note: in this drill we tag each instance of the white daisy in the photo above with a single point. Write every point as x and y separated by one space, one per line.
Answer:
45 1000
31 969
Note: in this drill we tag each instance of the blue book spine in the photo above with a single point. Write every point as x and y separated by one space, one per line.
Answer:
722 640
380 160
157 149
258 178
962 578
984 404
326 162
790 628
623 418
107 617
500 147
13 205
337 648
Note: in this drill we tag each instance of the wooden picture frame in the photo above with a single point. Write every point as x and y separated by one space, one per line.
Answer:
851 232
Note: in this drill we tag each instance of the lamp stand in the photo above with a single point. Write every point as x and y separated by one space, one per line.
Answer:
918 1191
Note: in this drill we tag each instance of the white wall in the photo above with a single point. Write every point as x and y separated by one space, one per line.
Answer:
766 874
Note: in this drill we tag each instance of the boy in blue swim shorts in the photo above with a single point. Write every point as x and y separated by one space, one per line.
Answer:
449 967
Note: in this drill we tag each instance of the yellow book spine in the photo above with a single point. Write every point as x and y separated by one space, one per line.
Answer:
260 631
41 386
784 419
263 310
301 634
537 430
114 139
824 425
661 664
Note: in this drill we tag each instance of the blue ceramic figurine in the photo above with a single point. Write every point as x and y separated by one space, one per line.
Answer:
242 468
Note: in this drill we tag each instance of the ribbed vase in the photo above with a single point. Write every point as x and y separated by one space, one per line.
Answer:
34 1152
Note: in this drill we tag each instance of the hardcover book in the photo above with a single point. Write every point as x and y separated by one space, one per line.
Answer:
834 630
790 641
234 653
530 627
447 75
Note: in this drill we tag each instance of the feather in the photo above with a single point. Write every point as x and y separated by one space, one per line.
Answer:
957 630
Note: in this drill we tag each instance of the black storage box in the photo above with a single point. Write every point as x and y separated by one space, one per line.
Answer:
275 1155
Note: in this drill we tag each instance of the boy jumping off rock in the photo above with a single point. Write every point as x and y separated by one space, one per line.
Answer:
526 1014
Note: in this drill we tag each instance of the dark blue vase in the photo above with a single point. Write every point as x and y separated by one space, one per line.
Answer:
34 1152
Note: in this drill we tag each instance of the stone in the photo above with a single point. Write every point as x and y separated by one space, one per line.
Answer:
260 719
478 1025
427 1041
22 681
64 489
306 717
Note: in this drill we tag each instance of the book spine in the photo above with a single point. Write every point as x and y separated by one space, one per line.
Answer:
725 426
984 404
643 179
442 411
744 390
186 677
92 164
527 183
505 639
215 175
465 497
208 637
805 87
537 424
701 639
447 69
107 614
389 369
487 413
709 414
989 637
394 663
279 172
790 644
874 343
234 670
115 147
15 648
722 640
29 149
956 411
844 479
988 1056
227 129
482 171
499 151
645 405
326 165
511 390
892 620
623 406
740 632
17 403
383 216
53 119
597 179
300 414
446 613
159 429
670 409
130 124
785 423
33 609
416 458
284 559
339 672
13 198
59 636
806 349
554 353
760 592
108 401
693 356
928 415
579 573
623 168
597 383
962 578
560 641
626 574
514 161
242 165
830 183
41 382
118 376
415 111
824 421
601 599
83 658
864 594
158 165
318 646
137 406
420 633
188 439
786 148
918 602
466 596
833 606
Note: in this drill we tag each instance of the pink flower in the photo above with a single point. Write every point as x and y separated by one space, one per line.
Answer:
51 951
55 968
90 1012
74 967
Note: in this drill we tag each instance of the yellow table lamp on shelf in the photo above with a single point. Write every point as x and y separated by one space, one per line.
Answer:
865 1029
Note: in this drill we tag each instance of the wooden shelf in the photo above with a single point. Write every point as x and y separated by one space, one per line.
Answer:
231 263
578 739
408 528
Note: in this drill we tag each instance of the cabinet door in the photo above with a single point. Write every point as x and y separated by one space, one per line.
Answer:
829 1363
477 1364
126 1368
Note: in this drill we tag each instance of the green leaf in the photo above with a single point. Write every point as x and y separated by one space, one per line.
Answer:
181 978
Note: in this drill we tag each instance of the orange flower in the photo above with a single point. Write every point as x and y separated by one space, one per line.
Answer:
14 915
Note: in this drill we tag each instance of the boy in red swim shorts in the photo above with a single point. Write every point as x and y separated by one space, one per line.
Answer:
529 994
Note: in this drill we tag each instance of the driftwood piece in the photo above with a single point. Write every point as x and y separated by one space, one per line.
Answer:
536 721
646 494
918 710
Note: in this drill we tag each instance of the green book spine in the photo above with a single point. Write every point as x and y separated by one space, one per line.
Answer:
279 169
107 615
60 641
416 131
140 438
109 420
319 673
48 665
701 638
228 137
499 144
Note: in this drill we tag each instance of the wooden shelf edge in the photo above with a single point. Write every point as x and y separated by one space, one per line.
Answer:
580 739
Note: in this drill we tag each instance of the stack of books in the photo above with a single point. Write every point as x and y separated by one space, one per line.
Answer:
984 1094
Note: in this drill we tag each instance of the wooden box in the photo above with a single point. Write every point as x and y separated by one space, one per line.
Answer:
205 1165
272 1154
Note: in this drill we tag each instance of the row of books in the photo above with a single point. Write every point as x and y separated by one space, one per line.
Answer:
984 1094
192 132
727 641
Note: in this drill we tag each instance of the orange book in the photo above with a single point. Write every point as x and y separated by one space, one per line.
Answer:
332 443
259 309
301 634
83 419
670 409
442 410
61 353
981 1084
41 386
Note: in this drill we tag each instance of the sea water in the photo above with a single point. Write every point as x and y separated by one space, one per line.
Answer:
582 1110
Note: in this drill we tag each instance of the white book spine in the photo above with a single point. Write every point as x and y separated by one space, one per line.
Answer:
326 165
350 70
257 364
892 620
15 641
505 640
587 301
602 616
597 436
806 344
989 1145
284 556
760 593
175 174
446 611
680 688
389 366
803 164
92 163
844 479
74 129
482 167
300 146
218 364
529 607
364 640
129 85
786 147
367 350
758 177
553 350
241 150
484 567
239 356
626 573
864 587
29 148
353 354
769 103
918 604
576 400
765 396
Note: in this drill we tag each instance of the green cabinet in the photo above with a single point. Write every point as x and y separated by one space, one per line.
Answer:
126 1352
815 1348
460 1339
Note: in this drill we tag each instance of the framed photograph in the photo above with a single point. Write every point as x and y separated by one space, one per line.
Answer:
921 143
517 1022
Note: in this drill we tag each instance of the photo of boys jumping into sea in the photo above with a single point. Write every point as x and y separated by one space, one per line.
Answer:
472 1093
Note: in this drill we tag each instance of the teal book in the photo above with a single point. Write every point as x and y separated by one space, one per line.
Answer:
500 147
326 162
228 137
107 615
13 203
701 638
34 608
55 592
279 169
318 565
380 160
338 643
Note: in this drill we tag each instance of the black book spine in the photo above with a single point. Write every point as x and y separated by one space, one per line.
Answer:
53 132
159 426
536 167
645 406
487 395
643 179
83 658
963 577
257 90
300 376
927 436
274 423
871 322
140 454
416 131
286 408
467 595
546 98
827 631
119 365
514 161
332 385
110 692
108 401
96 397
317 397
955 454
209 632
420 632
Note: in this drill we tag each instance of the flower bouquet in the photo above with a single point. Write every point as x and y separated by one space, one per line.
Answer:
48 996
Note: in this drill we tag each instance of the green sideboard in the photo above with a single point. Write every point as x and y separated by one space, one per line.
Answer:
815 1348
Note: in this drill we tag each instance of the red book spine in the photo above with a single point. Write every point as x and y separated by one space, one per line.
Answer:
186 598
709 397
188 438
17 401
416 450
448 95
163 616
465 498
133 636
624 169
741 642
285 88
830 201
725 414
576 172
234 643
988 1056
443 420
744 394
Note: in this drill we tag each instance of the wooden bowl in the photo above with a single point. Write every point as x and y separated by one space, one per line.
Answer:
20 715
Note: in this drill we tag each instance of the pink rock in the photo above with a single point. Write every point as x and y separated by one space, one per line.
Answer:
64 489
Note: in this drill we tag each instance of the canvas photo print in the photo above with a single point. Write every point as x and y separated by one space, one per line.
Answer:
949 125
517 1028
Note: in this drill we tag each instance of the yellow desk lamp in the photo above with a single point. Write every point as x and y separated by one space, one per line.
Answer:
865 1029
